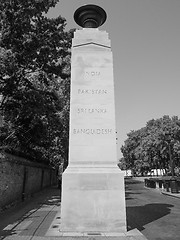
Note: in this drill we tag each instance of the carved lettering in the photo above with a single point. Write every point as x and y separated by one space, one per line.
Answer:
92 74
91 110
92 91
88 131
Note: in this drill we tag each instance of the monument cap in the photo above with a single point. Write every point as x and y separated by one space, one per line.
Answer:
90 16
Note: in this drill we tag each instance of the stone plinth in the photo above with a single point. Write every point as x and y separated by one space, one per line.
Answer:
94 200
93 197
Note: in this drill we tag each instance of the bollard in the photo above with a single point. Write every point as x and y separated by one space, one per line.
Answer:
174 186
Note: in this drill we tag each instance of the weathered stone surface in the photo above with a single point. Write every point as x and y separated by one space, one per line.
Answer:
97 198
93 186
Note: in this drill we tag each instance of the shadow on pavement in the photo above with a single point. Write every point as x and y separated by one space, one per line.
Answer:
128 195
129 191
138 216
131 181
12 220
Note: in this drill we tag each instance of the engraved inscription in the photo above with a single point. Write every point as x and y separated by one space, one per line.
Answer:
91 110
92 74
92 131
92 91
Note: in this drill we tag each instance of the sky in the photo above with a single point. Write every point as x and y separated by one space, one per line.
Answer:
145 41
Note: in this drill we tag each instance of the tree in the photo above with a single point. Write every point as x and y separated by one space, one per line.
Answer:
156 145
34 80
122 164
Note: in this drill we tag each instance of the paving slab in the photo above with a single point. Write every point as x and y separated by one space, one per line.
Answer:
39 219
55 231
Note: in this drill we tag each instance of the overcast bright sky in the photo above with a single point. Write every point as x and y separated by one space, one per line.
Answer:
145 40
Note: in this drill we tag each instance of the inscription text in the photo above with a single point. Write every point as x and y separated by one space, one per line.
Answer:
92 91
91 110
92 131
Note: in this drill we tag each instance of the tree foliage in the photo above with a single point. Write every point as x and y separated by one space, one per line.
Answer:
34 80
150 147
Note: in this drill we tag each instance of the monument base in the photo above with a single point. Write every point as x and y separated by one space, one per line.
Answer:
93 200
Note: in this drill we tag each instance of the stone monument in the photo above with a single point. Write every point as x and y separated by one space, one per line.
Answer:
93 196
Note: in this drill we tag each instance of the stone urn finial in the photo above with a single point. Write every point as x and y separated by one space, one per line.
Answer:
90 16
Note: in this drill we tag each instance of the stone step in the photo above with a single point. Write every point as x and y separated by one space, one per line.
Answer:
135 234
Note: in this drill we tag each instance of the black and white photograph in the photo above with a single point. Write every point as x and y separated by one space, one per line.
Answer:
89 120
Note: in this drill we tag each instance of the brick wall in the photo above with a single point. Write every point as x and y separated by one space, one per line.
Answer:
20 178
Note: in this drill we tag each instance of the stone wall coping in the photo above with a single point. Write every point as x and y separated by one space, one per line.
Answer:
21 161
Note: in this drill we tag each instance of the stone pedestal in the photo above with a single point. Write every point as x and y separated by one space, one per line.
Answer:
93 197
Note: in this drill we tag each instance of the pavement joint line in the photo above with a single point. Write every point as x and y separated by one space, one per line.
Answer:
23 225
17 223
48 212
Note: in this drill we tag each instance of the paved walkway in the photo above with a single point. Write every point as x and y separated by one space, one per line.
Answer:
38 219
156 215
176 195
31 219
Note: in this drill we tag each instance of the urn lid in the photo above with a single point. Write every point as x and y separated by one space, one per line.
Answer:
90 16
